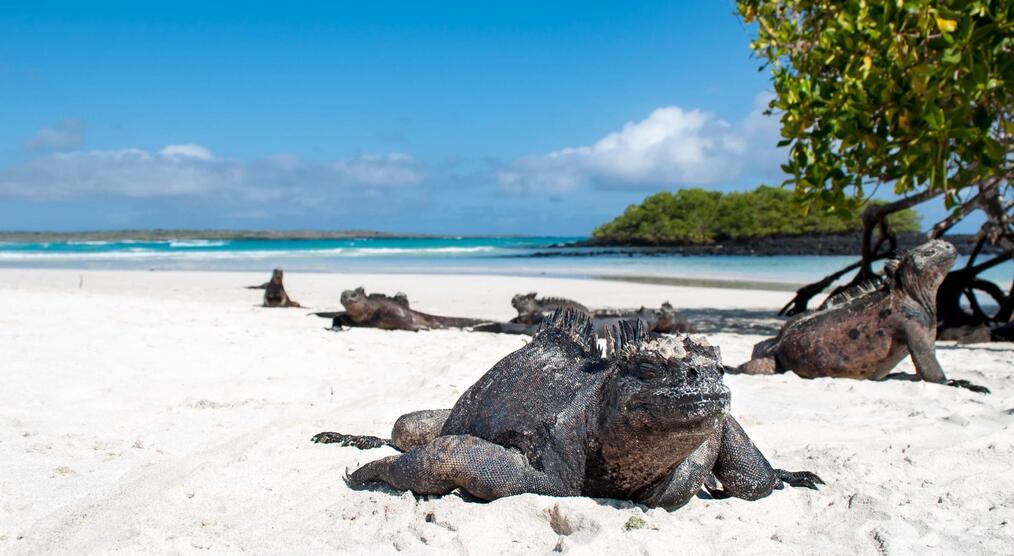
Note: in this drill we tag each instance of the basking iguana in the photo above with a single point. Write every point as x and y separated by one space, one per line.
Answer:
531 310
274 291
649 423
865 332
664 320
388 313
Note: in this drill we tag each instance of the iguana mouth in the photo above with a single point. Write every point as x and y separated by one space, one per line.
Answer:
686 403
695 401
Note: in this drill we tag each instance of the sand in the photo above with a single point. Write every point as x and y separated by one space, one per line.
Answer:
164 412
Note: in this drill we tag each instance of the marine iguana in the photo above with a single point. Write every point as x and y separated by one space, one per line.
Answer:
389 313
664 320
649 423
865 332
532 310
274 291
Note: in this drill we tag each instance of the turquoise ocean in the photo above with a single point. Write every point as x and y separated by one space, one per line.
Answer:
453 255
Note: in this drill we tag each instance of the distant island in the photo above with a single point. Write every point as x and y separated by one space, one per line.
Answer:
696 216
801 244
765 221
169 235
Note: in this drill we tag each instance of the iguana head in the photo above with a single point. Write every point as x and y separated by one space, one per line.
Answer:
666 317
670 384
525 303
925 266
357 303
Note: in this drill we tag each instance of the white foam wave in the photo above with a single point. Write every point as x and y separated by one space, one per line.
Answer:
418 250
135 253
195 243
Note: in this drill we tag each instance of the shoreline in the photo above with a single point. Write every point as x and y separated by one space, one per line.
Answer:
715 283
720 282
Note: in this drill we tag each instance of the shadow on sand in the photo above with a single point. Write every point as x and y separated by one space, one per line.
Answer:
735 321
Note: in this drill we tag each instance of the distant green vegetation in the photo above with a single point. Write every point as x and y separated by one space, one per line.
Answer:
697 216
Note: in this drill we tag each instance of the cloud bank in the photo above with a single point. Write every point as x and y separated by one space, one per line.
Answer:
194 171
670 147
187 182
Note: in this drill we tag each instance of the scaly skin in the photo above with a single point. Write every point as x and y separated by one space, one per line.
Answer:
274 291
648 423
865 336
389 313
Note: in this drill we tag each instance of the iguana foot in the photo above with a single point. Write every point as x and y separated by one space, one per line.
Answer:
759 366
356 441
799 478
960 383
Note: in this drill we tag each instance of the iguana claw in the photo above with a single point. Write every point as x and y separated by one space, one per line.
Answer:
961 383
804 479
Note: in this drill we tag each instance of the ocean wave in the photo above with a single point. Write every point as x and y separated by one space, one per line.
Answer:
161 254
195 243
418 250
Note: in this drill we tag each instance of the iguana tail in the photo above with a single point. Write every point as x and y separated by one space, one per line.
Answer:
454 322
362 442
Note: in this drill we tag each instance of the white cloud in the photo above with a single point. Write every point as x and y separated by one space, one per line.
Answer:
670 147
66 135
186 151
192 170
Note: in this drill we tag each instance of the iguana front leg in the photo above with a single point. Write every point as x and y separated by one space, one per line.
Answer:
762 360
485 470
745 472
685 480
922 347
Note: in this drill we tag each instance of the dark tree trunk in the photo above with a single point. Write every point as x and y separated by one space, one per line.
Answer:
964 283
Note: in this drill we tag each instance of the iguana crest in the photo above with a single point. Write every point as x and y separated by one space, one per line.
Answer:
575 325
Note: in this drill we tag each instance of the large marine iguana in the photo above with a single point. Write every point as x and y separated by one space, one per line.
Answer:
649 423
274 291
389 313
865 332
532 310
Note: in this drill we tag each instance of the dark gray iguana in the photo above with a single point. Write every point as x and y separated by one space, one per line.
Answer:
532 310
664 320
274 291
648 423
389 313
865 333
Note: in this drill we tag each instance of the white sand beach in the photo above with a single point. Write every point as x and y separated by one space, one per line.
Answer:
166 412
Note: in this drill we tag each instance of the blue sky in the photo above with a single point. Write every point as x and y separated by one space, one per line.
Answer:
453 117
